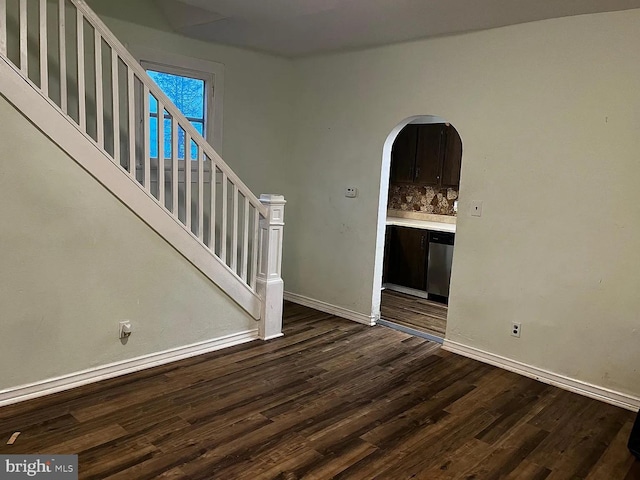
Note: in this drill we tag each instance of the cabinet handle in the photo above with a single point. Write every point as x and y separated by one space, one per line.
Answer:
417 171
422 242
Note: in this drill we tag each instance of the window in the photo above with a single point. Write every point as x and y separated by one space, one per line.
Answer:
188 94
195 86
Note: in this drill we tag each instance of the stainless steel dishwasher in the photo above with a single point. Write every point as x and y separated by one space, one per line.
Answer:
439 263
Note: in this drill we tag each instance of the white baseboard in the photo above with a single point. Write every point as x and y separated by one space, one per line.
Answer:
116 369
612 397
271 337
329 308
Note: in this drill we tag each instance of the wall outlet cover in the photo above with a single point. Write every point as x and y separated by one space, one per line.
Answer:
516 329
351 192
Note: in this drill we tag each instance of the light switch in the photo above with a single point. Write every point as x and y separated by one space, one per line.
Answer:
476 208
351 192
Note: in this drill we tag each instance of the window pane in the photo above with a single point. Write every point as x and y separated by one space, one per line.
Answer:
187 93
181 139
167 138
199 126
153 104
153 133
194 151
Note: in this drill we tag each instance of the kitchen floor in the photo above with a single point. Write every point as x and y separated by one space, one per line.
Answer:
414 312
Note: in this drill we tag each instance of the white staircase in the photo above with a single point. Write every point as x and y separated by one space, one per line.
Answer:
99 113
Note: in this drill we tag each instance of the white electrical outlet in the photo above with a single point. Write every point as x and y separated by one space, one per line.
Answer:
476 208
351 192
516 329
124 329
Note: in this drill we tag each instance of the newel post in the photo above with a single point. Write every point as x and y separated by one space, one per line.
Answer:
269 282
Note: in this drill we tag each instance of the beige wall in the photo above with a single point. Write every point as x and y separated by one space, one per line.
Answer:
75 261
548 113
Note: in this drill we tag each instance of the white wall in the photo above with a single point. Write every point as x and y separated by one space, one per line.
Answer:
548 113
75 261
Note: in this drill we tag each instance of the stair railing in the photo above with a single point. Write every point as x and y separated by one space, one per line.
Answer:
83 68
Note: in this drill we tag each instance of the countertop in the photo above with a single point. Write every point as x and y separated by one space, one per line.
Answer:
422 224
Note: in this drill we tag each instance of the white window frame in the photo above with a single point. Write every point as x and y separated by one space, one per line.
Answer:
211 72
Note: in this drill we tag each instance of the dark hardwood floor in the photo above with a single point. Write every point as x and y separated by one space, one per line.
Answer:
331 399
414 312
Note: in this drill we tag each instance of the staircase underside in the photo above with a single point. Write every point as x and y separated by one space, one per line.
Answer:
61 129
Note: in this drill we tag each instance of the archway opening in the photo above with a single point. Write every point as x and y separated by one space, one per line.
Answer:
419 189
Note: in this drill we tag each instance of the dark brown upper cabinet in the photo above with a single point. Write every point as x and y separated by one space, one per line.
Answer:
452 159
403 155
429 154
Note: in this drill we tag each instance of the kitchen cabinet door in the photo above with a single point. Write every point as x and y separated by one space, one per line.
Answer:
429 154
403 155
452 159
408 257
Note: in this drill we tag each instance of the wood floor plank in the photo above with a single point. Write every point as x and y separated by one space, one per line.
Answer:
557 452
432 442
634 471
591 441
116 459
330 399
456 461
527 470
616 461
284 456
508 454
84 442
514 413
335 463
414 312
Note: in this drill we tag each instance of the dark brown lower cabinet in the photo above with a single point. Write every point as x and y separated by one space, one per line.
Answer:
406 259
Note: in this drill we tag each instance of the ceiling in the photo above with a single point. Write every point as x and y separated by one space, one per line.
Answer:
294 28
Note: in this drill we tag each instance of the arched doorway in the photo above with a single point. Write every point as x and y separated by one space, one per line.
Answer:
432 196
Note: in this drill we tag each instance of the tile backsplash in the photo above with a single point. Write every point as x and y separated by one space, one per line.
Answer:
418 198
